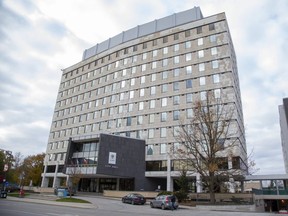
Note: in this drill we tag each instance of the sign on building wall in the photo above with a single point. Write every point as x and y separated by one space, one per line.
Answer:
112 158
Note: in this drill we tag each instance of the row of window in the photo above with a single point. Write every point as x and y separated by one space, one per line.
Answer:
167 87
133 69
145 45
137 106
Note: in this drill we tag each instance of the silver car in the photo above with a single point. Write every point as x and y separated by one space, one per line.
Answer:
163 202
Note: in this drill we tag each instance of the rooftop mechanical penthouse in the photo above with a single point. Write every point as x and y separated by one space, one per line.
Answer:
137 85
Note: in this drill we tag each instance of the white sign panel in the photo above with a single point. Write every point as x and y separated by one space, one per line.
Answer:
112 158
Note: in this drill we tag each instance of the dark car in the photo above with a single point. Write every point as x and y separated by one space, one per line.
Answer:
134 198
163 202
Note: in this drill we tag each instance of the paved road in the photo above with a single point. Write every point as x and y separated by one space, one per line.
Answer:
100 207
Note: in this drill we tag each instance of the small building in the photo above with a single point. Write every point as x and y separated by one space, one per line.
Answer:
105 162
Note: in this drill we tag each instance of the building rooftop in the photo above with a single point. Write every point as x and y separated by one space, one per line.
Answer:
145 29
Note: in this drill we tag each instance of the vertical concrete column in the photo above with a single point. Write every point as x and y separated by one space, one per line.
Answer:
55 175
169 179
97 185
198 183
117 184
44 182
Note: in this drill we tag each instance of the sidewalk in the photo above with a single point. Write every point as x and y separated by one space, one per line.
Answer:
49 199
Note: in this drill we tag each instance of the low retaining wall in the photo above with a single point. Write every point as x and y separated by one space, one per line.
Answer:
244 208
120 194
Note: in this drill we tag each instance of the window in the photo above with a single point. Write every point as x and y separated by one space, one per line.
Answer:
164 75
176 115
216 78
154 53
165 39
200 41
187 33
134 48
134 58
163 132
142 92
143 67
164 62
150 150
141 105
151 118
211 26
176 59
122 95
176 72
189 113
176 47
164 102
142 79
202 81
163 117
144 56
140 120
154 65
213 50
123 82
201 67
153 77
145 45
164 88
133 70
176 36
130 107
153 90
215 64
154 43
217 93
189 98
203 95
188 56
175 86
212 38
165 50
188 69
199 30
188 44
163 147
200 53
176 100
152 104
132 82
129 121
131 94
150 133
189 83
120 109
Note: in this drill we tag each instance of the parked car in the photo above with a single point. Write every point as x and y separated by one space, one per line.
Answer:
134 198
163 202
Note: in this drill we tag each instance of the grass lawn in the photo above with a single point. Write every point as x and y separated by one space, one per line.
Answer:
75 200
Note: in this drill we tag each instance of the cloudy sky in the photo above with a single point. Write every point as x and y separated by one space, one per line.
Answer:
39 38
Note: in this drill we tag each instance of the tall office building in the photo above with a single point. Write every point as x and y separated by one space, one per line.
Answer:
139 84
283 116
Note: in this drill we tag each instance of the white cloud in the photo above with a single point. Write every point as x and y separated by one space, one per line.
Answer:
38 38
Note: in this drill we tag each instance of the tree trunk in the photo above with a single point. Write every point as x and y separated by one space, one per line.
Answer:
211 188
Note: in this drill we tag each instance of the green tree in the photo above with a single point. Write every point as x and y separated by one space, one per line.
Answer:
31 169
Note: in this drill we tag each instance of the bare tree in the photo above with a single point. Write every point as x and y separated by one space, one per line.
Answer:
75 175
209 141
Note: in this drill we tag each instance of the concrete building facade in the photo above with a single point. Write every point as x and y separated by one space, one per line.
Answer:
283 118
140 84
